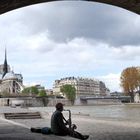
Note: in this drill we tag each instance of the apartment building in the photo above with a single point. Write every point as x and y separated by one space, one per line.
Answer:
83 86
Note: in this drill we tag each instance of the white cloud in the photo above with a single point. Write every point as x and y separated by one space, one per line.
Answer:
78 57
112 81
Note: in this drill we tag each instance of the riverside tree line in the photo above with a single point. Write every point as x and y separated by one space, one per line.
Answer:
68 90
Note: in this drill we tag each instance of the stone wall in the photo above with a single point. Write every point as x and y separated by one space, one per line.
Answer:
32 101
40 102
53 102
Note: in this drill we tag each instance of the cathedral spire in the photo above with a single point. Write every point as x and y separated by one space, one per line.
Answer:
5 65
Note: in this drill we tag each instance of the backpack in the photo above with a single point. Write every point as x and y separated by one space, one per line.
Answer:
46 130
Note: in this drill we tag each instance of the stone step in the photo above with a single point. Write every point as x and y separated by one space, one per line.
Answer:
23 115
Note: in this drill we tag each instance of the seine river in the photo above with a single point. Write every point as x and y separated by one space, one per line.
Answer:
117 112
111 111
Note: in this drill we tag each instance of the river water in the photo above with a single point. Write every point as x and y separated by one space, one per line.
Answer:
117 112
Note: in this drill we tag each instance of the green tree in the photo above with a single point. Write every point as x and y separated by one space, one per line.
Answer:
130 80
30 91
34 90
26 91
69 91
42 93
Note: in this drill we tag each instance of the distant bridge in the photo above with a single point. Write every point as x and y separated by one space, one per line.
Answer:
122 98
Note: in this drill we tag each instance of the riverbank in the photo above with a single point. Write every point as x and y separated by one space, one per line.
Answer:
99 128
96 128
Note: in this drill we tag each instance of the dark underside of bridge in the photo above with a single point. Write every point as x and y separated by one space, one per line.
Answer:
8 5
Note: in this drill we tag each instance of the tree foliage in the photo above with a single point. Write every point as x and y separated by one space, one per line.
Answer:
69 91
130 81
34 90
42 93
30 91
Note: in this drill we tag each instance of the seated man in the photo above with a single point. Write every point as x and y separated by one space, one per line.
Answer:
58 126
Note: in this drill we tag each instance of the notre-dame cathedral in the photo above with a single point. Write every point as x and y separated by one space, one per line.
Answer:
10 82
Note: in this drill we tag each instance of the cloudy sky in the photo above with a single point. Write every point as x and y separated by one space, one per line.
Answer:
58 39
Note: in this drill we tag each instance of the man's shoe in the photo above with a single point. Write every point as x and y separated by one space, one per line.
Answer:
35 130
85 137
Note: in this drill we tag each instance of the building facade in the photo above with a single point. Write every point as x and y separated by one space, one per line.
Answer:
83 86
10 82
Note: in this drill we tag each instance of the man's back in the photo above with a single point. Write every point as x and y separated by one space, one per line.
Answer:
57 124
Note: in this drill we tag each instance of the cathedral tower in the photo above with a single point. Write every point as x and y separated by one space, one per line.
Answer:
5 65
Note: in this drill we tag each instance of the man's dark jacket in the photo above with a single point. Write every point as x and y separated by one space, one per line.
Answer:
57 124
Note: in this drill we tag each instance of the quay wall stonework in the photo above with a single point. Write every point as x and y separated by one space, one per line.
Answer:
40 102
32 101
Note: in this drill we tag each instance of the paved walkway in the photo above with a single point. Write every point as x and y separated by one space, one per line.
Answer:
97 129
13 131
20 130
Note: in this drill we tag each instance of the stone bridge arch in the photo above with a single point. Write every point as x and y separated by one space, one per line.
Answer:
8 5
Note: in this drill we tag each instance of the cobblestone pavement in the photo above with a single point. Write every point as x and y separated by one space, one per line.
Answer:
97 129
